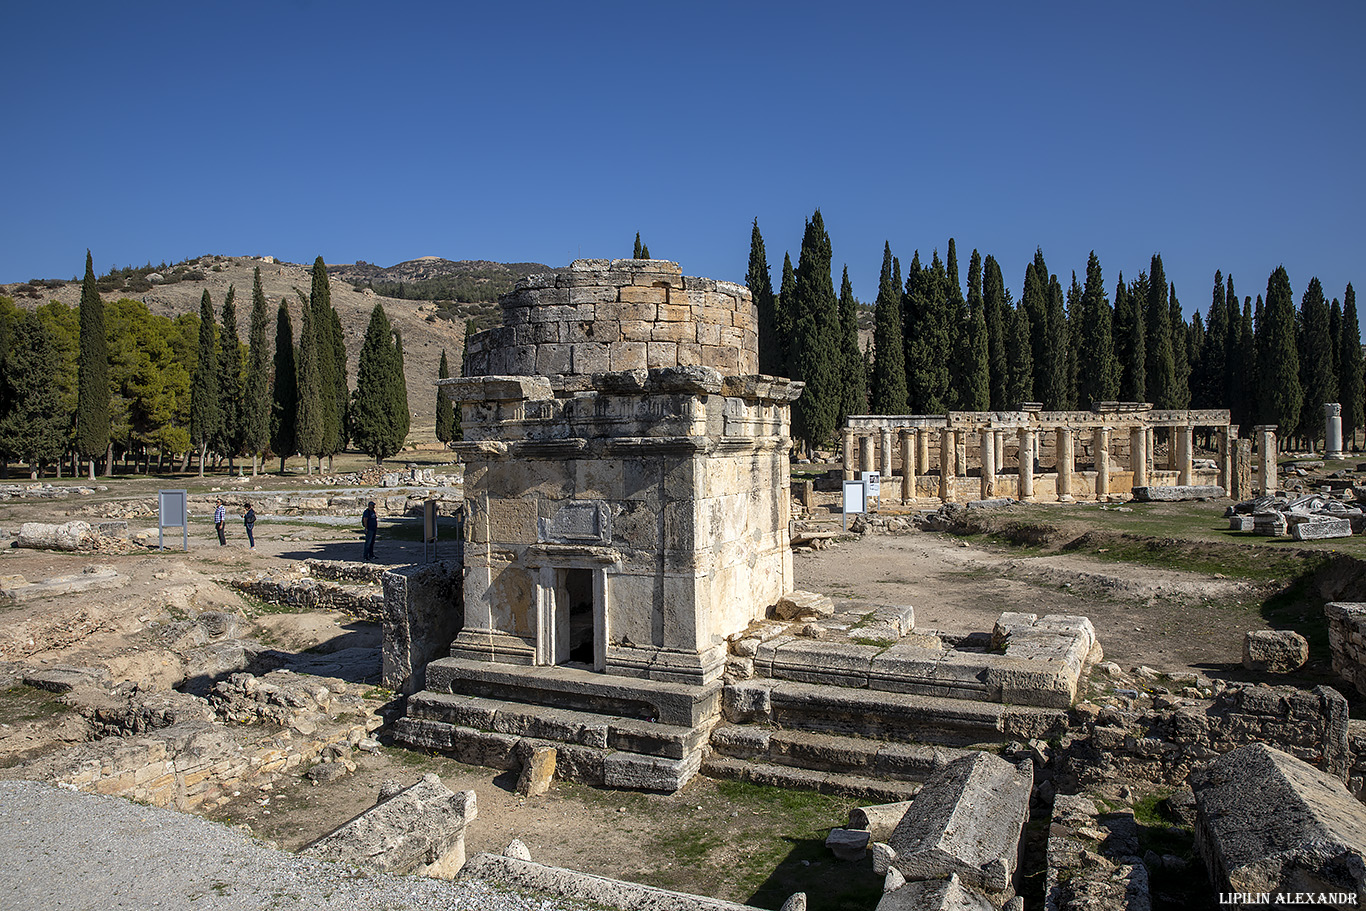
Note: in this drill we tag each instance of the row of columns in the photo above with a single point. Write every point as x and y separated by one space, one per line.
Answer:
915 451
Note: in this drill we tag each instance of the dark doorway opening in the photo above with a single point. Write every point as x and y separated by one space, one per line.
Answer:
578 586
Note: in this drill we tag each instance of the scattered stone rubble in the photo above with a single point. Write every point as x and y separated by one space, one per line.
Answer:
1304 518
36 491
1093 859
310 585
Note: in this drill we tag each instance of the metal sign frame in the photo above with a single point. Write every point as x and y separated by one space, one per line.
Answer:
173 509
855 499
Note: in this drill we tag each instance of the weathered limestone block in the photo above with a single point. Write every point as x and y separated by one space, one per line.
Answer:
96 577
936 895
967 820
1274 651
848 844
69 536
879 820
1152 494
423 612
419 830
538 772
1267 822
1320 527
803 604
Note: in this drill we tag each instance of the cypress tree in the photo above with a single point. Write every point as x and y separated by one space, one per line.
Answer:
1278 359
1161 365
318 335
1181 361
1019 360
1335 341
1055 372
1034 300
457 430
998 316
379 407
635 254
398 390
1209 390
1195 344
961 351
1130 350
284 415
343 402
34 424
928 369
1097 367
977 379
1074 322
889 358
445 409
854 380
228 439
92 374
815 332
911 319
784 306
645 252
1247 368
1314 344
204 385
760 285
311 400
256 382
1350 368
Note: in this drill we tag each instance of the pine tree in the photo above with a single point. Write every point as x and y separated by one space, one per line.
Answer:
1314 346
311 400
284 394
889 358
998 321
1181 361
1278 360
204 386
1097 366
815 349
760 285
1161 365
1209 390
854 380
445 408
256 382
636 253
1130 350
784 306
1350 368
1019 360
228 438
379 408
977 378
92 376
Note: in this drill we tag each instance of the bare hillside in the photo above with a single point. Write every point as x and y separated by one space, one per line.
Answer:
426 331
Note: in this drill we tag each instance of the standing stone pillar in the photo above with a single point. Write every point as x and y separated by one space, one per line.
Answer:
1149 454
1062 453
886 469
947 445
1184 445
988 464
960 453
1101 443
1138 455
1241 482
1000 451
849 469
1225 461
1026 460
922 451
1332 431
908 466
1266 458
865 453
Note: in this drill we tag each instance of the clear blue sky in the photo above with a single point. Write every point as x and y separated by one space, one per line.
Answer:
1223 135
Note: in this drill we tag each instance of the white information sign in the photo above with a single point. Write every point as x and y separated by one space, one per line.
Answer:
874 481
855 499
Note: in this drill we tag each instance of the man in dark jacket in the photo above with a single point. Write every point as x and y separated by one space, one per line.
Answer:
370 522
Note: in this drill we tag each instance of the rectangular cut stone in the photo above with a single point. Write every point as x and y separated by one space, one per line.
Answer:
1182 492
1268 822
1322 527
632 294
967 820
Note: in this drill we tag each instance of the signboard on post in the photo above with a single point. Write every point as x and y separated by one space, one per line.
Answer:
873 480
855 499
428 530
172 511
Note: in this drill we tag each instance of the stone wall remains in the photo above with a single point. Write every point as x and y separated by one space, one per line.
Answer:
1347 640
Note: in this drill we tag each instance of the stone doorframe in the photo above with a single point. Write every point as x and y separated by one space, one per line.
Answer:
552 604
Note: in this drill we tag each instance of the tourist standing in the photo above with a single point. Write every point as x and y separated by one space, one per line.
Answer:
249 520
220 520
370 522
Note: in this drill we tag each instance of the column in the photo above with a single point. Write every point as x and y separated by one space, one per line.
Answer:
1225 461
1000 451
886 470
1062 452
1332 431
1183 454
1266 457
1101 443
1149 454
865 452
988 464
922 451
849 473
960 453
1026 457
947 445
1138 455
908 466
1173 450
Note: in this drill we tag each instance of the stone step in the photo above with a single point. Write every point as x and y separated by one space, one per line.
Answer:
630 735
782 776
859 756
884 715
578 690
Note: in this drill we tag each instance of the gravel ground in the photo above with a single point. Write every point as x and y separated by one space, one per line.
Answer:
61 849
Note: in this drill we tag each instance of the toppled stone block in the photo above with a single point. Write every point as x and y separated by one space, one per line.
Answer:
848 844
418 830
1267 822
803 604
96 577
1321 527
538 772
1274 651
967 820
1271 524
63 678
1179 492
936 895
1241 523
880 820
75 535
